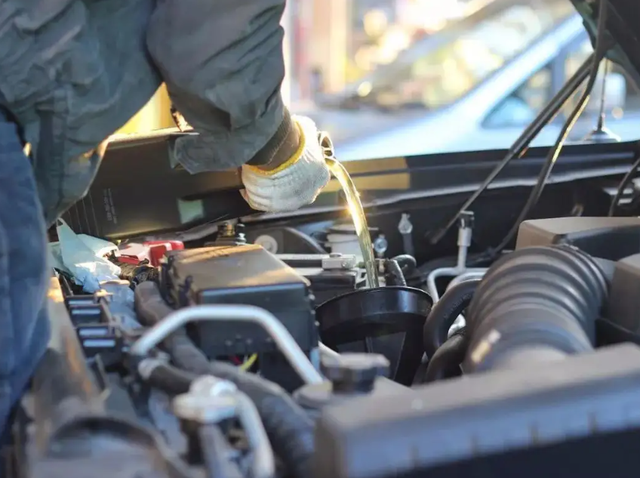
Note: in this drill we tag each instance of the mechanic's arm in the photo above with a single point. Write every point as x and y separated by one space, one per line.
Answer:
223 65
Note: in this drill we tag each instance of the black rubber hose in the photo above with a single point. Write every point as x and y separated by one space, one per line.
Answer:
165 377
407 263
289 428
626 180
603 44
395 272
444 313
149 305
445 363
521 145
542 301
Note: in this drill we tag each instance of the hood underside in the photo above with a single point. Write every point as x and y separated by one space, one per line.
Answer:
623 25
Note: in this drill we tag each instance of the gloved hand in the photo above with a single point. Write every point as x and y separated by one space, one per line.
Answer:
296 182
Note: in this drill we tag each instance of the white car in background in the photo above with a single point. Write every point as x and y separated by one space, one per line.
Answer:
475 86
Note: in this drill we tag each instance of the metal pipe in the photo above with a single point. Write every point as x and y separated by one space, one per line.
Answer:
327 351
448 272
464 242
211 400
264 465
241 313
467 276
216 453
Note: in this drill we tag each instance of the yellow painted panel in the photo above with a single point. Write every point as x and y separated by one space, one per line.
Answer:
154 115
400 181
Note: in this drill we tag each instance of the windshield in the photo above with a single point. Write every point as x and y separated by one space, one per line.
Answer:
389 78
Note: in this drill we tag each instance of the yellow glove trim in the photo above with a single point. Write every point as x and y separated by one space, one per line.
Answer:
289 162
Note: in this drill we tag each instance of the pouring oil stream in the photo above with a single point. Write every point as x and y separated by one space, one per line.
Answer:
355 209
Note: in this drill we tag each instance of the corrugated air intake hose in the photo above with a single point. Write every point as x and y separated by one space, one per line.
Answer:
534 305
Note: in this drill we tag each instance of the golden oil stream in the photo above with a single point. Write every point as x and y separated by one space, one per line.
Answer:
355 209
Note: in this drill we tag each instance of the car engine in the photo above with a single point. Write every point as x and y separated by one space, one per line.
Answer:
260 348
233 361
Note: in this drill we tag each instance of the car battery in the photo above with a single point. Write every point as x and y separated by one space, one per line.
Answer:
247 275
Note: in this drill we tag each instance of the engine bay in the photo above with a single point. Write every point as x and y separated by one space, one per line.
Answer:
452 335
231 360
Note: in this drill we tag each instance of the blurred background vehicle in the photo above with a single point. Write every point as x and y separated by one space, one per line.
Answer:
405 77
473 85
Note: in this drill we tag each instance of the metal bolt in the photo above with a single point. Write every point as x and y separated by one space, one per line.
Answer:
228 230
339 262
380 245
405 226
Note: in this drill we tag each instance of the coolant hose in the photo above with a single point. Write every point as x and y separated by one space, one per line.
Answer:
394 270
444 313
289 427
407 263
534 305
447 359
165 377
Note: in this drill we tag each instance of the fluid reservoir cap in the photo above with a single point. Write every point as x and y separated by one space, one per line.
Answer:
354 373
269 243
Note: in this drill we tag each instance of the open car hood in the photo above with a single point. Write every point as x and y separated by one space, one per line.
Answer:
623 24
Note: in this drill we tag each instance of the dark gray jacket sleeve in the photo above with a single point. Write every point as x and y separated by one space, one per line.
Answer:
73 72
223 65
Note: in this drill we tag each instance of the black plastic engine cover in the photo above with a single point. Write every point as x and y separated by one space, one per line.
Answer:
610 238
579 417
248 275
617 241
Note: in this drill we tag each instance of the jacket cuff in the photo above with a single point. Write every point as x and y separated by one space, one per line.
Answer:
282 145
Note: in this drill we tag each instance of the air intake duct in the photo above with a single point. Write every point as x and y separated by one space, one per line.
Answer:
534 305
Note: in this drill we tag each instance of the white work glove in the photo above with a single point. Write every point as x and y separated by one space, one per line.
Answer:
295 183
